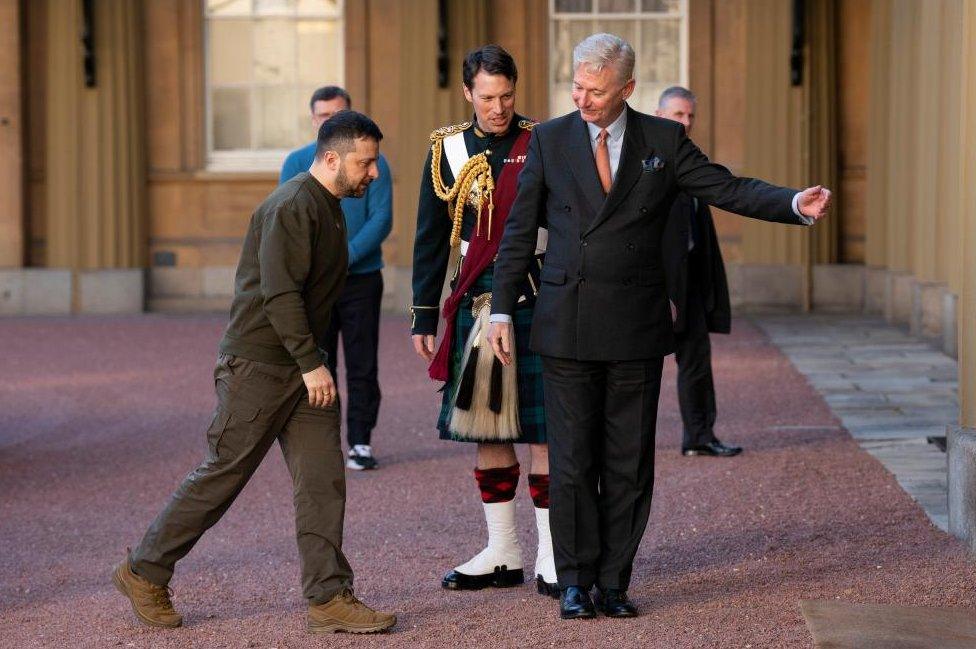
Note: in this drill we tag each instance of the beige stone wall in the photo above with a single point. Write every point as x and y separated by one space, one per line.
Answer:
195 218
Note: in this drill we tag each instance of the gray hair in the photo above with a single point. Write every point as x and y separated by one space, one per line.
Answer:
601 50
678 92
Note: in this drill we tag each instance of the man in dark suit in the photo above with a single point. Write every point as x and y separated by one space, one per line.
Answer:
605 178
701 295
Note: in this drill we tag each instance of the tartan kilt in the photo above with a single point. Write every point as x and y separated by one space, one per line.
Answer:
532 419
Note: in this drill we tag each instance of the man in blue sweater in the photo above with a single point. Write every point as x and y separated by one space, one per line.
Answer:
357 311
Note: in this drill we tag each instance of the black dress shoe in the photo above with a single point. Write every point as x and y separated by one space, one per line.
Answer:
613 602
575 604
502 577
712 449
545 588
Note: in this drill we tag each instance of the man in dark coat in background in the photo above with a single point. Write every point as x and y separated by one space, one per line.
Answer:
700 292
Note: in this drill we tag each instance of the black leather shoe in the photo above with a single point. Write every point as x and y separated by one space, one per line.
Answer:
613 602
502 577
575 604
712 449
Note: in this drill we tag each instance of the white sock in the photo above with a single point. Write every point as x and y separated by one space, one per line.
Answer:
503 546
545 564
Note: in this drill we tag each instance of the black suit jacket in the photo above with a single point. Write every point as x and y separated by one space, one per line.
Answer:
602 293
704 267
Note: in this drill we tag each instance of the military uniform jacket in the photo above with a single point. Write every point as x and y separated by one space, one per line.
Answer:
432 248
603 295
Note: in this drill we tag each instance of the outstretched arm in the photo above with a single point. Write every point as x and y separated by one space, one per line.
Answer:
716 185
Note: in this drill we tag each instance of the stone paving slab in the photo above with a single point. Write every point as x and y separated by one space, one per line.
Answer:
924 399
889 390
891 432
844 399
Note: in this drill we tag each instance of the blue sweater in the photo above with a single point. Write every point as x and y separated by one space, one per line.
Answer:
368 219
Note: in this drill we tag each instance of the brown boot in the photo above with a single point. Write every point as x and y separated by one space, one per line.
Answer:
151 603
346 613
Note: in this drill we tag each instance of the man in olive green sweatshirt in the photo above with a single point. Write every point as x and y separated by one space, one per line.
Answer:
272 383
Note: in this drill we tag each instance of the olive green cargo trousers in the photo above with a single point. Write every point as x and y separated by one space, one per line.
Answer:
258 403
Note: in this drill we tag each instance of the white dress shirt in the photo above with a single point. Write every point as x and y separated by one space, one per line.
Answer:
615 139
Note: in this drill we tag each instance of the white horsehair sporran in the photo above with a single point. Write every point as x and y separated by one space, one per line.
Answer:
485 405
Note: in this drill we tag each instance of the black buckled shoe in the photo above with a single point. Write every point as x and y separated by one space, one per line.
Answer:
714 448
613 602
575 604
501 577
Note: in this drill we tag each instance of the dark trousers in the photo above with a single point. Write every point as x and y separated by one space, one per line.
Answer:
258 403
357 315
600 418
696 390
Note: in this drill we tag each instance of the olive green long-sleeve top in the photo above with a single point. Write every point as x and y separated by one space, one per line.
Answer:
292 268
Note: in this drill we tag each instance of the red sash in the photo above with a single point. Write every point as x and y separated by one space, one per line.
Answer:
481 251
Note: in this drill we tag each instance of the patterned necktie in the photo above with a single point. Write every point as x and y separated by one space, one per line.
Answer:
603 161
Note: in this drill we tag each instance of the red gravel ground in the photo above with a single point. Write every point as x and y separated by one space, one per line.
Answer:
100 418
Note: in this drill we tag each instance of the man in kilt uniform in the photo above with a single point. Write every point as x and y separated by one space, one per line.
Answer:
469 183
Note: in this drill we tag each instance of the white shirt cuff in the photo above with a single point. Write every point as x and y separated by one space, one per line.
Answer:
500 317
796 210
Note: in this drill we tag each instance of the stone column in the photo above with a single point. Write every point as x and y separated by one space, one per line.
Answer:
879 109
962 441
776 259
64 129
776 141
949 263
414 106
901 162
876 193
923 219
516 25
900 166
96 175
95 156
468 25
822 123
11 138
967 187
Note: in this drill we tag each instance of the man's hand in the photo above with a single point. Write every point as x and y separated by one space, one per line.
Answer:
500 336
814 202
423 344
321 388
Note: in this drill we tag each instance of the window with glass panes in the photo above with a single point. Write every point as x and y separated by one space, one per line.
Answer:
657 29
264 58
